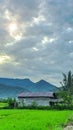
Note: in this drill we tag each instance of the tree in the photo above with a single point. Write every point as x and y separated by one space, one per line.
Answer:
67 83
67 87
12 103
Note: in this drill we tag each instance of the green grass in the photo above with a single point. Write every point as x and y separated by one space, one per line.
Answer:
33 119
3 104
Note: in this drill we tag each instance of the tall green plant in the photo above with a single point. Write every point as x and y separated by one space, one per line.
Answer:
67 87
67 83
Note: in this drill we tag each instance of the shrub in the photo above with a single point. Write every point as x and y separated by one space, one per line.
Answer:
12 103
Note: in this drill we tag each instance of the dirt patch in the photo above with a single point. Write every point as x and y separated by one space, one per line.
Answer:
69 127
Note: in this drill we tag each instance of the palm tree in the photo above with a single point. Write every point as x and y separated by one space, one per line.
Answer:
67 83
67 87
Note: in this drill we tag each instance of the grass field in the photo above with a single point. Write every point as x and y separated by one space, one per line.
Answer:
3 104
33 119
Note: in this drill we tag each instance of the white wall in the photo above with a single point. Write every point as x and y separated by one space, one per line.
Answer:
39 101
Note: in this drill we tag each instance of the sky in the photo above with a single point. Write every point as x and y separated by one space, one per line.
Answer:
36 39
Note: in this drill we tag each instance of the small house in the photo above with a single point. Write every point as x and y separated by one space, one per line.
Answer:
39 98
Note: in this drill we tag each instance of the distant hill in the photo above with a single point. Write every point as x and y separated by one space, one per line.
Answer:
12 87
10 91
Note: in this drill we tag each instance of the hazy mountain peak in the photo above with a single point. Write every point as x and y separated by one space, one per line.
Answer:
27 79
42 82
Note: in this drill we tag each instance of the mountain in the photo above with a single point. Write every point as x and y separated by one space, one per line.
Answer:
10 91
45 86
15 82
12 87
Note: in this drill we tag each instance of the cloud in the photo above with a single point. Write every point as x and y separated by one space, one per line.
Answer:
41 43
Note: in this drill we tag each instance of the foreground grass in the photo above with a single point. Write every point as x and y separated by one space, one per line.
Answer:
33 119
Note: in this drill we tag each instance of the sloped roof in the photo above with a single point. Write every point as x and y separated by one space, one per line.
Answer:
36 94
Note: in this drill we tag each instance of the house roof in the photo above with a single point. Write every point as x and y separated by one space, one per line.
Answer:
36 94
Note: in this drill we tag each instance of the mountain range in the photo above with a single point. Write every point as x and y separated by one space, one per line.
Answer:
13 87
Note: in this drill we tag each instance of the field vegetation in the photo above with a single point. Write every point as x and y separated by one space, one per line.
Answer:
33 119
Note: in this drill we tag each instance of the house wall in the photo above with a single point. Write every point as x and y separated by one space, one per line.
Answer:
38 101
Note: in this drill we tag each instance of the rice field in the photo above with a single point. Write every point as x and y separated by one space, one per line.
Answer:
3 104
33 119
